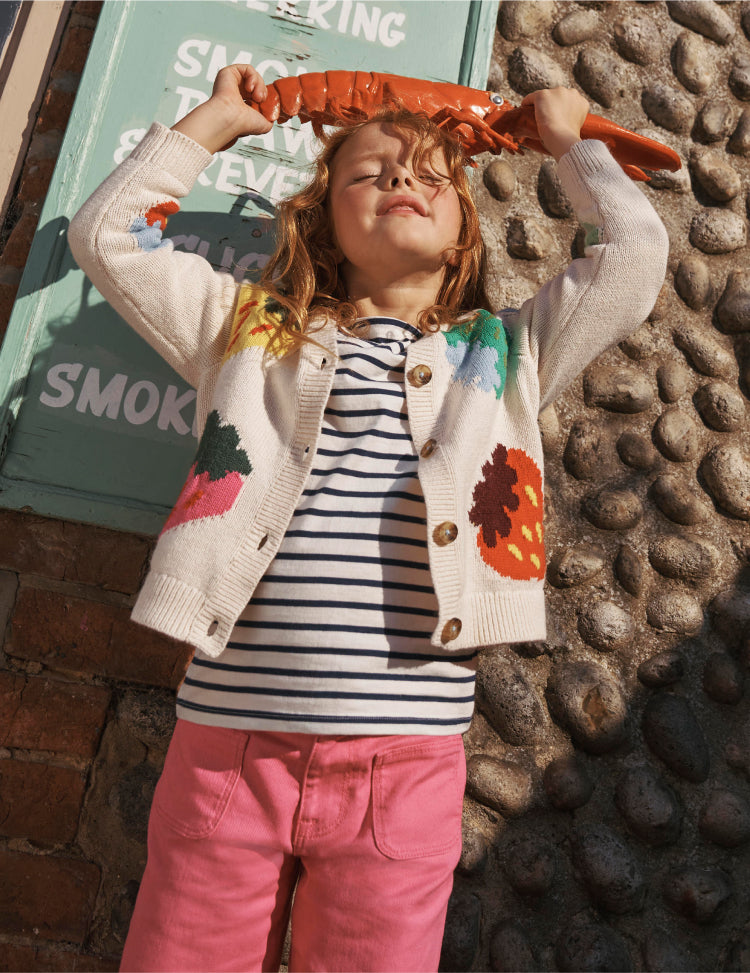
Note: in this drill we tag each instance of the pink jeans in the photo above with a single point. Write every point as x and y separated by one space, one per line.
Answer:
367 828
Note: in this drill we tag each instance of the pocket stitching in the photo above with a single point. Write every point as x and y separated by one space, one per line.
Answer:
382 842
219 807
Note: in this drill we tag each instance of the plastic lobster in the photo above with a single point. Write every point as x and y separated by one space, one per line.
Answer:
481 120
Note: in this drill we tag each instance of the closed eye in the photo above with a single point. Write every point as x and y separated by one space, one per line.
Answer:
433 178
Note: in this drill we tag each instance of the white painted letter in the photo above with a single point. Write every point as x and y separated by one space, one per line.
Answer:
66 392
187 65
231 166
128 141
106 400
171 409
316 10
361 22
136 417
387 36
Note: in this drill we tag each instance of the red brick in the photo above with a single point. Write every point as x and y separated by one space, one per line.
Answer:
62 962
74 50
39 802
8 294
89 8
109 559
74 634
55 111
29 959
35 180
17 958
46 896
17 248
39 714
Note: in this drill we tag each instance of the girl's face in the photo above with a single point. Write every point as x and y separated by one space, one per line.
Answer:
389 220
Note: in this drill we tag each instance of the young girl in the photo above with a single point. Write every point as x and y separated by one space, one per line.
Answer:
363 515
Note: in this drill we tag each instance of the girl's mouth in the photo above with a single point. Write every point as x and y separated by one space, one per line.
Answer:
403 204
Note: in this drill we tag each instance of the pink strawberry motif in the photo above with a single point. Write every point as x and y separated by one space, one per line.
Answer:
215 478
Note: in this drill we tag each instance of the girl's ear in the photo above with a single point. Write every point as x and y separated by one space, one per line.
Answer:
453 258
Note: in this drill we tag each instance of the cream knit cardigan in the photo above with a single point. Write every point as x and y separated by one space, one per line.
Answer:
473 395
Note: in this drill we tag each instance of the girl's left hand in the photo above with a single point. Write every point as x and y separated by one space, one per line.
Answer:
559 113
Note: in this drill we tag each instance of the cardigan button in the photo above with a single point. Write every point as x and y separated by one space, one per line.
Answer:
445 533
212 628
429 448
420 375
451 630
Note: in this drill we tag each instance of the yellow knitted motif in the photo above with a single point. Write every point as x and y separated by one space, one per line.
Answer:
257 324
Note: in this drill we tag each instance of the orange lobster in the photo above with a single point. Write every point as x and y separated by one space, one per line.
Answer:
481 120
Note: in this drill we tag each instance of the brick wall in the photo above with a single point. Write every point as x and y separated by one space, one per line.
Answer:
85 696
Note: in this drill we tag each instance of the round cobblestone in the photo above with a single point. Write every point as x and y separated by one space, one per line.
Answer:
663 669
673 733
567 782
649 806
718 231
590 703
609 870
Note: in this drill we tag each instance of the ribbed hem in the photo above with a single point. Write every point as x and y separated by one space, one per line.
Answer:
168 605
585 158
492 617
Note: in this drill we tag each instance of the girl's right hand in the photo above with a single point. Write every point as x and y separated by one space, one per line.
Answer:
229 113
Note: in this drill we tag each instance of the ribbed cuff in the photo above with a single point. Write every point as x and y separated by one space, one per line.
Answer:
178 154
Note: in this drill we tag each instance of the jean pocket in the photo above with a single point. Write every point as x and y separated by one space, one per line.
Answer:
202 768
418 798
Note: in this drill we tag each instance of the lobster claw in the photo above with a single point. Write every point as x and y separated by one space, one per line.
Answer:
632 151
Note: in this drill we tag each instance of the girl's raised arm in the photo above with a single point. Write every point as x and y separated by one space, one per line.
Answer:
175 300
605 295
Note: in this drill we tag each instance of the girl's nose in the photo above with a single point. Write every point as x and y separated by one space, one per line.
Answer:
401 177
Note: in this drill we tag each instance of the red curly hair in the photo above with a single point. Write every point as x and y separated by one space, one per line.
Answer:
303 273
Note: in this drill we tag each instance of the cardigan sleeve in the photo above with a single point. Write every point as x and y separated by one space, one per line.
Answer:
606 294
176 301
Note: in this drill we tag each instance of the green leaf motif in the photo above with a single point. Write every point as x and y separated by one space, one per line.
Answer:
219 452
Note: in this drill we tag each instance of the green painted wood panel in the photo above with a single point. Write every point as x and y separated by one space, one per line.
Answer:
93 425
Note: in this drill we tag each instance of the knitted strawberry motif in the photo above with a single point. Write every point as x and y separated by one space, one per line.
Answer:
215 478
508 512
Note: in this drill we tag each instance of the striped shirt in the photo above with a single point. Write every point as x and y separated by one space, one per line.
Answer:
336 638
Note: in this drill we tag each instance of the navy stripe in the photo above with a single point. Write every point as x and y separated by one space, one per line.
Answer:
352 413
362 475
318 650
336 674
365 391
362 378
344 434
398 457
346 535
360 606
323 694
407 633
390 562
322 718
363 582
373 494
372 361
361 514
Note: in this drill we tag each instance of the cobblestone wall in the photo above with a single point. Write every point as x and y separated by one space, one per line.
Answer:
607 817
608 805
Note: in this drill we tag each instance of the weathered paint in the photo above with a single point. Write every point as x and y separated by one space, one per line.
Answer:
85 406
